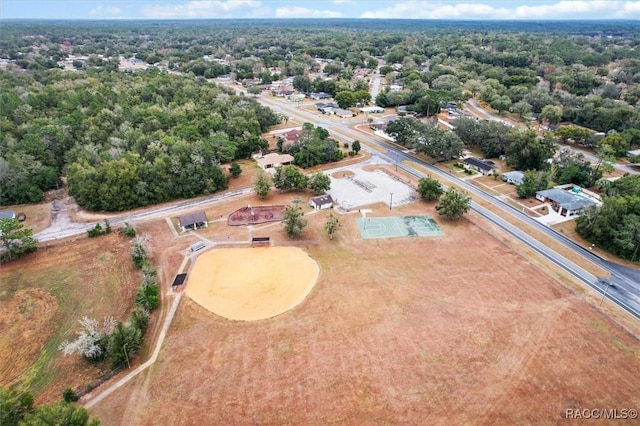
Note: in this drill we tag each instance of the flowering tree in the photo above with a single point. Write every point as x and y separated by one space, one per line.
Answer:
92 340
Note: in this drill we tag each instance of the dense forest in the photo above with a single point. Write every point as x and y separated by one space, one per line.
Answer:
615 226
124 139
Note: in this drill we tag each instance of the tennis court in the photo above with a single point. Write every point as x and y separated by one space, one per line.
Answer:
404 226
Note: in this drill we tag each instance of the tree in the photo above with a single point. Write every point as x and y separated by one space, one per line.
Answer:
331 226
528 152
454 204
362 97
614 225
16 239
235 169
14 405
302 83
430 189
551 114
355 146
345 99
254 90
319 183
573 133
619 144
262 185
59 413
439 144
522 108
500 102
123 344
293 220
289 177
532 182
92 340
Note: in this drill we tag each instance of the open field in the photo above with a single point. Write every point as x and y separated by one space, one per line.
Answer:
42 297
438 330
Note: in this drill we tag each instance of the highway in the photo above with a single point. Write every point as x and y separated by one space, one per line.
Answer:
622 286
625 282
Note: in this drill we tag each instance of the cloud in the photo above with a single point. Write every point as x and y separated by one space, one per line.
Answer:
303 12
105 11
202 9
582 9
631 9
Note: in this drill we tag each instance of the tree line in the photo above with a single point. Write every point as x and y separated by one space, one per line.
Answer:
122 140
615 226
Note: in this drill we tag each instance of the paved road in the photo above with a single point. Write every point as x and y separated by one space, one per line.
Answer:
626 282
624 168
480 112
69 229
626 289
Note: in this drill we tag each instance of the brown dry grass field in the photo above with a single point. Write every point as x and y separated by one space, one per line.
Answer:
458 329
42 297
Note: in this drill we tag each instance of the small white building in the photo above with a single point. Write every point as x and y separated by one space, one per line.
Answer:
321 202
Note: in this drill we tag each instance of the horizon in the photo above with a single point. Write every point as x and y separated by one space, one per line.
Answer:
418 10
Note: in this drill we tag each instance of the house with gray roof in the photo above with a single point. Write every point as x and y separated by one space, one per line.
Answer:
515 177
485 167
566 202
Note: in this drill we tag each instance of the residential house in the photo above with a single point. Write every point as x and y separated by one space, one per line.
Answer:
273 160
514 177
294 97
567 202
343 113
319 96
485 167
372 110
290 137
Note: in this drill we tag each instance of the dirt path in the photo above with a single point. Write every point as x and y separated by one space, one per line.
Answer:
147 364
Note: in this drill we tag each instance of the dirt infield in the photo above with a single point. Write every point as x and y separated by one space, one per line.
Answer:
252 283
455 330
253 215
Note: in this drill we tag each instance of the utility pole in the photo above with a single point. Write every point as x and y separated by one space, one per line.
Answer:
390 200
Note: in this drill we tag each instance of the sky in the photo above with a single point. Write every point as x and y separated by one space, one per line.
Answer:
275 9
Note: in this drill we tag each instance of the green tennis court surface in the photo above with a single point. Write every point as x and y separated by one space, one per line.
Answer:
404 226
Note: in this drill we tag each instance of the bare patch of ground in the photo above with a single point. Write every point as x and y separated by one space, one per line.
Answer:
456 329
278 280
38 215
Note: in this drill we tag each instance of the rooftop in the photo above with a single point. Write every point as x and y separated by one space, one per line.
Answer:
567 199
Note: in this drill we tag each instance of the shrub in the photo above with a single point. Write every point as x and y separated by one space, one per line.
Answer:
148 297
129 230
96 231
139 255
69 395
